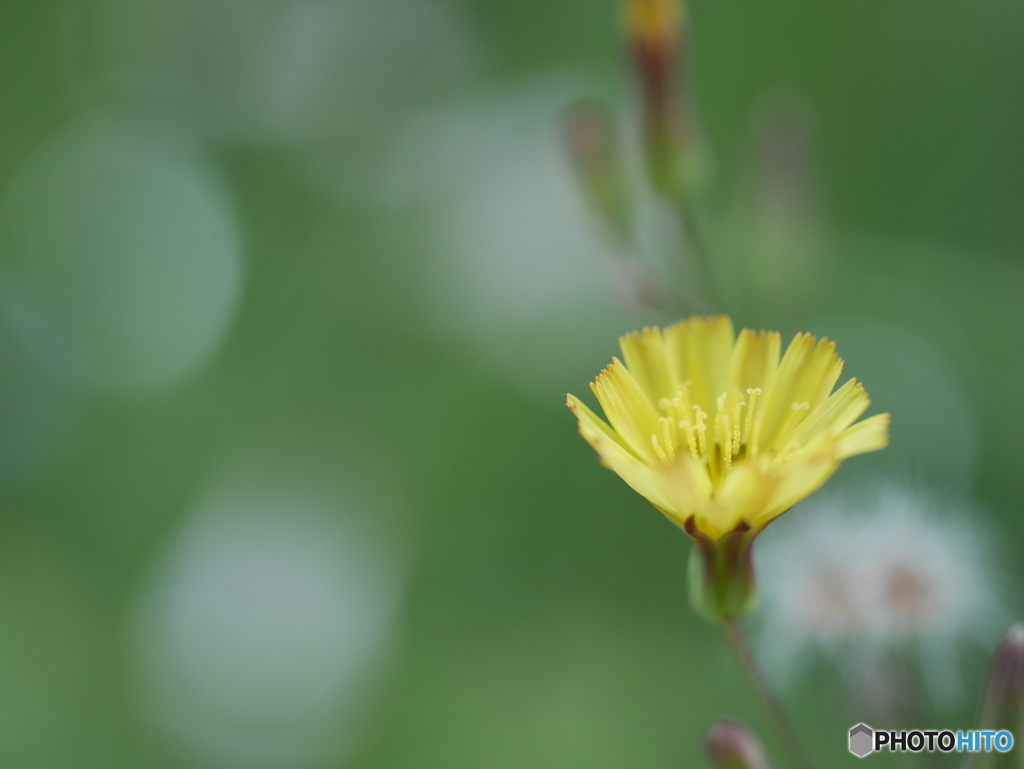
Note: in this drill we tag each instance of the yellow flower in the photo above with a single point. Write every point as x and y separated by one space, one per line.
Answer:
719 434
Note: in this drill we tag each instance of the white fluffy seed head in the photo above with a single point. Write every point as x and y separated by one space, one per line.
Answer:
861 577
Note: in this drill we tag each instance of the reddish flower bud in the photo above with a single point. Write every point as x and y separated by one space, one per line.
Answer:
731 745
590 138
654 33
1004 694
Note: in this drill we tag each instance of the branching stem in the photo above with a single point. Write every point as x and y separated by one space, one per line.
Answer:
776 715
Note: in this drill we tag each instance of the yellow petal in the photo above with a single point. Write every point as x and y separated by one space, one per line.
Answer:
616 456
743 496
699 350
800 477
755 358
807 373
628 409
839 411
644 355
820 375
688 485
870 435
594 422
775 404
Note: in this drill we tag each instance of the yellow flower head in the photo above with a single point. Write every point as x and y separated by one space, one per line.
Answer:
718 433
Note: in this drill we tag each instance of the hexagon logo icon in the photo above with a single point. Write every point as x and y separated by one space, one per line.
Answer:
862 740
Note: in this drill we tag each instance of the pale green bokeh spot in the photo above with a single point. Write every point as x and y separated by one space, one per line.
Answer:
120 261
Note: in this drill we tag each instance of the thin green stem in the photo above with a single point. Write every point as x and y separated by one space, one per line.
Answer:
776 715
699 251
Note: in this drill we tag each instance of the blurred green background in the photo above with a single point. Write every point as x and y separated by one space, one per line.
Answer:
292 293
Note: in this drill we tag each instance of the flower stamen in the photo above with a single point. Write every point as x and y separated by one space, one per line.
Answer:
701 428
691 437
666 430
723 430
753 392
755 437
737 433
658 450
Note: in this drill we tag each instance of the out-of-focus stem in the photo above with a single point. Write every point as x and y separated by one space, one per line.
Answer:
699 252
776 715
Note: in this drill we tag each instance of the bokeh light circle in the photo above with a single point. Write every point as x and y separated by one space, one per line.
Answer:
120 258
263 633
506 258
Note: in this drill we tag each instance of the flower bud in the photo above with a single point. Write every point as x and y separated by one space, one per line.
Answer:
721 577
654 33
731 745
590 139
1004 695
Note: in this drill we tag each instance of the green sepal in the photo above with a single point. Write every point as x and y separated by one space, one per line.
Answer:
722 583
